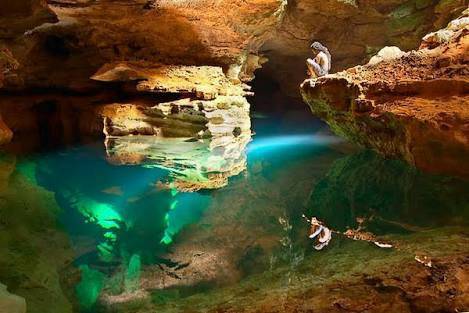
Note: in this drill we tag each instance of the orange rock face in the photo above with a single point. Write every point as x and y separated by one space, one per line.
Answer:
92 33
353 30
414 107
63 45
18 16
5 133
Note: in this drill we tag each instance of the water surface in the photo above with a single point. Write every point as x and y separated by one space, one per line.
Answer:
88 229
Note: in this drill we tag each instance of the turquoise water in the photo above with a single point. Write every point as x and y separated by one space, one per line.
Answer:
128 239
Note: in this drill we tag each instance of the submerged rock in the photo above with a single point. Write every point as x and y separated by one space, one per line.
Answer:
368 193
10 303
34 253
412 107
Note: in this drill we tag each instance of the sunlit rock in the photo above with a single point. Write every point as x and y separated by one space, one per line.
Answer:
214 125
89 34
205 82
216 106
387 53
443 36
353 31
413 107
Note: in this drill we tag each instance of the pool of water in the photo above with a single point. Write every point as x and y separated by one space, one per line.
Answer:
90 234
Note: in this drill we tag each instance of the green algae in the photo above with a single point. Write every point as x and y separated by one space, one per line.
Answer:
132 276
34 251
89 287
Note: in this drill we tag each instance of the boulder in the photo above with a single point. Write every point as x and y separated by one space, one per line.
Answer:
10 303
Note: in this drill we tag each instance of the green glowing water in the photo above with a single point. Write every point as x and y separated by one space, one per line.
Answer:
107 235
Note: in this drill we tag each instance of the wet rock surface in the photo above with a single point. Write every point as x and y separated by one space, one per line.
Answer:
10 302
34 253
413 107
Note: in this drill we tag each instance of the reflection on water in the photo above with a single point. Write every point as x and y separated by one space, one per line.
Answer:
192 164
383 196
138 230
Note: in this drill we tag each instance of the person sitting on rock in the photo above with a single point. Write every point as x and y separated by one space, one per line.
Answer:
321 64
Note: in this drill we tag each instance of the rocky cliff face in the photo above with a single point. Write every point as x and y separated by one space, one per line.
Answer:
178 48
408 105
77 37
17 17
89 34
352 30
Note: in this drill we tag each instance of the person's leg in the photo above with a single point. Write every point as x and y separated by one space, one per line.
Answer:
315 68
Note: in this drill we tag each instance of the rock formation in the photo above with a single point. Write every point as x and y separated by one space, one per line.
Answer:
202 93
62 44
211 115
409 105
353 30
18 17
11 303
89 34
77 37
33 253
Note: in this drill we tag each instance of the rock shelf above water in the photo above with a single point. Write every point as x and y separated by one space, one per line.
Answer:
205 82
412 105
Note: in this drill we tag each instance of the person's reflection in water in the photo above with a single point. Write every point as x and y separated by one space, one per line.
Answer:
319 233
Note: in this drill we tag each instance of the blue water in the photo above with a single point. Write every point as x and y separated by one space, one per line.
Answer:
117 219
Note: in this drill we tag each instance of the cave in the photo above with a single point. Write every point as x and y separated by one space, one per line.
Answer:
234 156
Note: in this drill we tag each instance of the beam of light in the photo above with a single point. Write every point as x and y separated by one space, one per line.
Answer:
287 141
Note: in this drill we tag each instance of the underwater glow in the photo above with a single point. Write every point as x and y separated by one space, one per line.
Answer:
185 210
132 276
103 214
90 286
